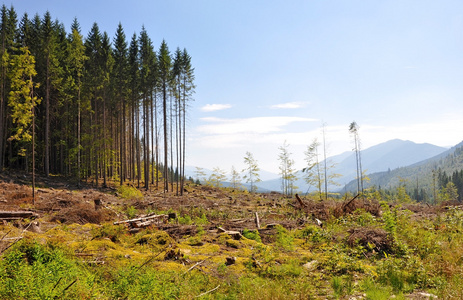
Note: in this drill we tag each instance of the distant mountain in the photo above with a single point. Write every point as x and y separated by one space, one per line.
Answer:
418 175
382 157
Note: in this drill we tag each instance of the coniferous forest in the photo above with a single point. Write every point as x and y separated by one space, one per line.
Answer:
92 106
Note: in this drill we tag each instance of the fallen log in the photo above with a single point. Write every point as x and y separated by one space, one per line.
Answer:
11 215
142 219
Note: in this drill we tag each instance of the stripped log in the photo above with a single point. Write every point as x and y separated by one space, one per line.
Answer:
143 221
257 221
14 215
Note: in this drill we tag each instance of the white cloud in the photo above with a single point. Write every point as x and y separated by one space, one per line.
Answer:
215 107
288 105
257 125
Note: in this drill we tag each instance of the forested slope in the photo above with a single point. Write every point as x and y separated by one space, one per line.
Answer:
91 107
423 180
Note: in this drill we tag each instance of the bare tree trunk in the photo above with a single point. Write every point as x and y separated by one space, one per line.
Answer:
138 146
171 147
164 107
47 120
104 140
33 147
153 166
122 142
157 141
325 167
146 141
96 141
78 139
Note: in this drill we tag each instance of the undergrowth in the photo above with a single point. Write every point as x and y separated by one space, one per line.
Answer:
338 260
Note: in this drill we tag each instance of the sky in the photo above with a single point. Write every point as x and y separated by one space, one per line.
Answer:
269 72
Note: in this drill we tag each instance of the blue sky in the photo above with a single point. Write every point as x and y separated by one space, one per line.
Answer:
270 71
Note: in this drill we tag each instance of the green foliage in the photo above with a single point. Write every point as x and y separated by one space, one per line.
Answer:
284 238
291 268
342 287
217 177
287 171
22 100
314 234
375 291
252 235
251 171
30 270
113 232
389 219
131 212
403 275
201 220
185 220
128 192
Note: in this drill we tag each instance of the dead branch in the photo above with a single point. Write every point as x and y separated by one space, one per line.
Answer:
205 293
149 260
345 204
142 219
299 200
196 264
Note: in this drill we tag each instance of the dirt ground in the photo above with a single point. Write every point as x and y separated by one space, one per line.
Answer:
59 201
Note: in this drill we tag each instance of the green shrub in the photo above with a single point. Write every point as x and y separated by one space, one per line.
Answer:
403 275
186 220
202 220
284 238
374 291
252 235
342 287
131 212
128 192
314 234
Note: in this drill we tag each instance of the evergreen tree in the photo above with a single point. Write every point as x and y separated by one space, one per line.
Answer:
94 84
217 177
89 119
134 88
251 171
120 74
165 66
107 63
51 79
75 67
287 171
235 179
8 47
313 175
147 81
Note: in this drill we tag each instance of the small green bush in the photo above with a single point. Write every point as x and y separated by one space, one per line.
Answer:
284 238
252 235
128 192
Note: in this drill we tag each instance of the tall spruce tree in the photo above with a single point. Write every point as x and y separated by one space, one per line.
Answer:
94 84
134 83
8 46
120 74
165 66
75 66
